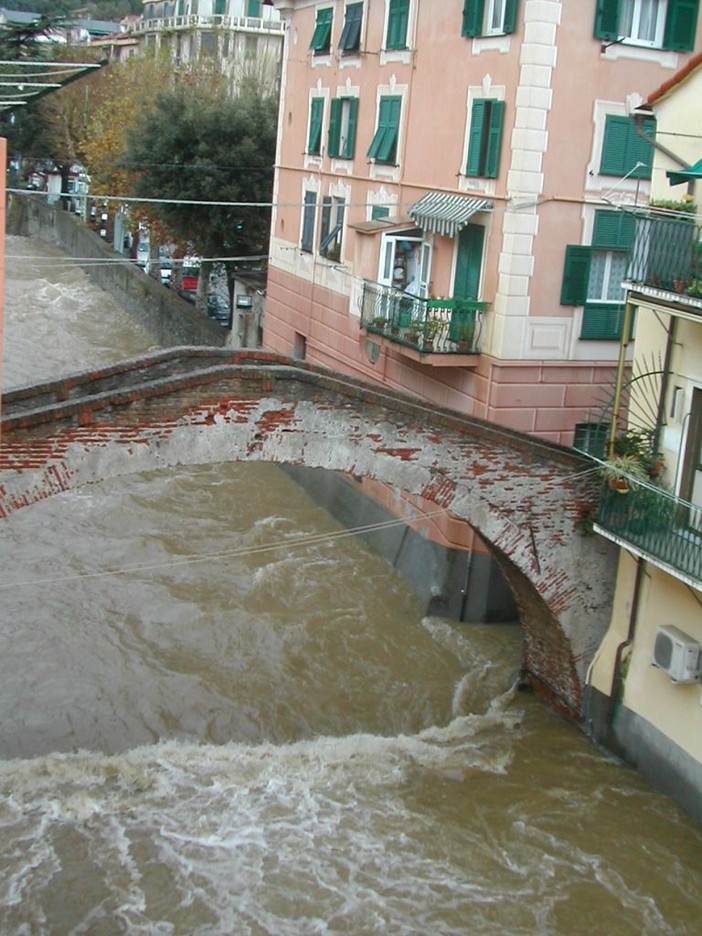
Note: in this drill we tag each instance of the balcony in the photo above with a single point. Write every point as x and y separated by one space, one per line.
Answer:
656 525
194 21
440 332
666 259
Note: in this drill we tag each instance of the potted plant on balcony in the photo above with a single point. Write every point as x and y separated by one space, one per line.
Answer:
412 334
433 332
464 336
379 323
620 470
639 446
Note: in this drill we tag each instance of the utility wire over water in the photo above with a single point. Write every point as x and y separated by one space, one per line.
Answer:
280 743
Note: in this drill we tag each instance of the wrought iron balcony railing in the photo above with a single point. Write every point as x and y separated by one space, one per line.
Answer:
657 524
667 254
433 326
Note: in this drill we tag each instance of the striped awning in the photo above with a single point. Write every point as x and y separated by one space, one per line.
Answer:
446 214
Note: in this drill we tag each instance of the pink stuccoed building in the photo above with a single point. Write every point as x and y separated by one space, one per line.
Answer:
447 203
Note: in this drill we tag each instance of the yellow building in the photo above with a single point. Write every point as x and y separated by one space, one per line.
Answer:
645 694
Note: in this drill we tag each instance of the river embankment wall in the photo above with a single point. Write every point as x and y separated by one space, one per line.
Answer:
460 584
172 320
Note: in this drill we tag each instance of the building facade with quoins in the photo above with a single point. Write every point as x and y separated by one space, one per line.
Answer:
448 183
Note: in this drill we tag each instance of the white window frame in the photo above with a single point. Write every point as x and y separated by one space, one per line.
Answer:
493 7
337 220
311 186
637 10
608 256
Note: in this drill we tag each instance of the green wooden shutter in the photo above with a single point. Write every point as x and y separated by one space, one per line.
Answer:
326 219
383 147
478 116
640 150
622 148
466 284
614 145
350 147
613 230
334 127
603 322
511 16
321 37
308 218
494 139
314 143
607 19
220 6
398 22
253 8
473 18
681 25
576 275
350 40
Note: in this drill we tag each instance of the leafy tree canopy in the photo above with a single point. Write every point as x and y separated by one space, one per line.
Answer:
200 144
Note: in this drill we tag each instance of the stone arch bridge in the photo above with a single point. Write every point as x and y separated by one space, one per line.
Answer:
188 406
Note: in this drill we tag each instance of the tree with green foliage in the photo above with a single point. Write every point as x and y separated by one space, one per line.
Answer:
19 41
197 143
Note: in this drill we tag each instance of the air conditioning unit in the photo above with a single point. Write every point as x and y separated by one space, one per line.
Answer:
677 654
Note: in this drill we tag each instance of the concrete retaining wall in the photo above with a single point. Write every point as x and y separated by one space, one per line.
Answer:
664 764
449 583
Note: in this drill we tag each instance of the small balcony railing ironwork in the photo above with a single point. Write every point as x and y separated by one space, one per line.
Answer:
667 254
657 524
432 326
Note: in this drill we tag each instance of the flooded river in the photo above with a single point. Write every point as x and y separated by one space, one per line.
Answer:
220 714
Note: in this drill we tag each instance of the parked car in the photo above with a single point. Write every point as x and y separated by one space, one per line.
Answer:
218 309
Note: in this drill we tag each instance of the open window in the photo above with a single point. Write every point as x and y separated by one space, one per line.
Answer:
405 262
660 24
321 37
343 120
593 276
332 227
485 138
489 17
383 148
